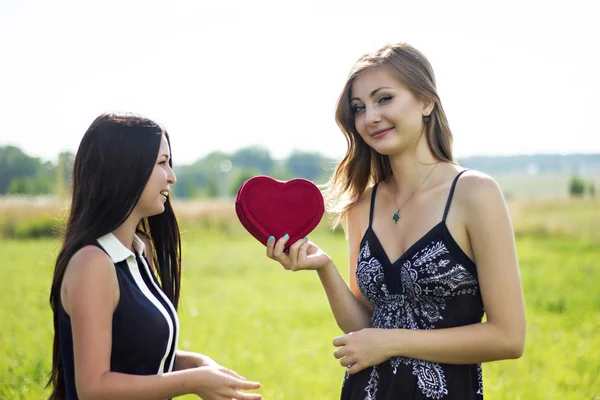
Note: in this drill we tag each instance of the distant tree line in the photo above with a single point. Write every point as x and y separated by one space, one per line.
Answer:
220 174
22 174
571 164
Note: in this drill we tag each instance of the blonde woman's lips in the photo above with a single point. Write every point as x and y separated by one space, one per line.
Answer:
380 133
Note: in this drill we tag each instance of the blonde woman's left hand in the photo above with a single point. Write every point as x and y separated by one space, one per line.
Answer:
362 349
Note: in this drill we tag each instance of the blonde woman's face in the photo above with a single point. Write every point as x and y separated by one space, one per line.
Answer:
387 115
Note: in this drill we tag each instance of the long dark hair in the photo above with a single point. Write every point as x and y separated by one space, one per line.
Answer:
113 164
362 165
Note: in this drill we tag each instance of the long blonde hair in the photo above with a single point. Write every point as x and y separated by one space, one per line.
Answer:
362 165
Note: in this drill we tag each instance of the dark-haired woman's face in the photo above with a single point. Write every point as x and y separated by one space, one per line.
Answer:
157 188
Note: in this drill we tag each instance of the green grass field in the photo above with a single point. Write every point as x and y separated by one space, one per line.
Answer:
275 326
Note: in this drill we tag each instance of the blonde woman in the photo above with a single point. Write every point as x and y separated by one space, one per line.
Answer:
431 244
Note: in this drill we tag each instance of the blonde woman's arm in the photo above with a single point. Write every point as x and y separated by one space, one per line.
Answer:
350 309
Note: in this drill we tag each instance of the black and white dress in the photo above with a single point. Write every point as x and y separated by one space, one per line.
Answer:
145 326
433 285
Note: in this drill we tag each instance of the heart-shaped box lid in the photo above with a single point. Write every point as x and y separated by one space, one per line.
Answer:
269 207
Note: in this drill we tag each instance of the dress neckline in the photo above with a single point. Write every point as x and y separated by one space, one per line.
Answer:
410 249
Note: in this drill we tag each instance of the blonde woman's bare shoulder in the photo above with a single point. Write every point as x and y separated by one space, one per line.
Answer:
363 202
478 191
473 181
358 214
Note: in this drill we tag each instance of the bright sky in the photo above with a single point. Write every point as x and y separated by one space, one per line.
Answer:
514 76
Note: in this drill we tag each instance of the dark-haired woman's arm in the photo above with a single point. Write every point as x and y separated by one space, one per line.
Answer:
89 294
187 359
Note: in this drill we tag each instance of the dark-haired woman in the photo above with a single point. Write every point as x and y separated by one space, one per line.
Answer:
117 277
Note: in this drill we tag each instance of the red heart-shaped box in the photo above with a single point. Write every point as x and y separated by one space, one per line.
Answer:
270 207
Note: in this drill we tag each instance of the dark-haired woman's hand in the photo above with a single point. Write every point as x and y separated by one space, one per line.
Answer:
303 254
220 383
188 359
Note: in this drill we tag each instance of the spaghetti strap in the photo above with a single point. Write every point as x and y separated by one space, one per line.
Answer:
372 204
451 194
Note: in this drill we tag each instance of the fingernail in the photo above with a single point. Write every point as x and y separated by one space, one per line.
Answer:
271 238
286 236
305 237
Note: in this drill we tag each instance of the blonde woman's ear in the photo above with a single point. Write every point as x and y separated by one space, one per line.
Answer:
428 105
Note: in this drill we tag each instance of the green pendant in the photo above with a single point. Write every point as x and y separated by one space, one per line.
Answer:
396 216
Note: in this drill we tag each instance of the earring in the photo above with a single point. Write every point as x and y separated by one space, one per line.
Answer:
426 118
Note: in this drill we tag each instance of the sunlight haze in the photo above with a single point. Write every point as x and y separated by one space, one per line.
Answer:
514 77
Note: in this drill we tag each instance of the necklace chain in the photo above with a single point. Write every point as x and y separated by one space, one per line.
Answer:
396 216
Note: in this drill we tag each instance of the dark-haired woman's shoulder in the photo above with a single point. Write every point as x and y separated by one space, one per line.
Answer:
90 294
90 271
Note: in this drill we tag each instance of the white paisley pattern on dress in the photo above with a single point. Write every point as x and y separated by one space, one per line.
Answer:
428 281
479 380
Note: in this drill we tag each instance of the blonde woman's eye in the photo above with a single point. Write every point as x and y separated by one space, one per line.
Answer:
383 99
357 108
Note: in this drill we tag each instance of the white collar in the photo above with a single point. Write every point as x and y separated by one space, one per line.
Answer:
117 251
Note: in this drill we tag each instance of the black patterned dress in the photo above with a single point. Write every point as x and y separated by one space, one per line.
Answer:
433 285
